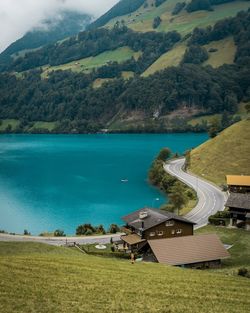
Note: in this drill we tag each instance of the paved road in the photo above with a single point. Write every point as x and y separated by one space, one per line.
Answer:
211 198
61 241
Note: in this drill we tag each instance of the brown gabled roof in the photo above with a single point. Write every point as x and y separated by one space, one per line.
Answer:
132 239
239 201
154 217
238 180
188 249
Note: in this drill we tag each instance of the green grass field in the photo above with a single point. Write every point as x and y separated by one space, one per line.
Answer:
50 126
4 124
170 58
240 251
224 55
227 153
45 279
88 64
142 19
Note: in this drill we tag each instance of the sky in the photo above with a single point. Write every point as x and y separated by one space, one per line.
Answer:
20 16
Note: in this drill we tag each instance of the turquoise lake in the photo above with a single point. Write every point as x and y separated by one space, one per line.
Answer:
61 181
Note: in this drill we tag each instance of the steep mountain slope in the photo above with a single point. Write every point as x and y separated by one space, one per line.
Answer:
121 80
65 24
182 21
121 8
226 154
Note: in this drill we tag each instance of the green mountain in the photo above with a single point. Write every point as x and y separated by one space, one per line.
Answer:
65 24
157 68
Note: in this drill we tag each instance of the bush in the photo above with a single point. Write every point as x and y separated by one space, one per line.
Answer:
113 229
156 22
164 154
100 230
26 232
196 5
220 218
159 2
221 214
178 8
195 55
217 221
59 233
88 232
243 272
85 229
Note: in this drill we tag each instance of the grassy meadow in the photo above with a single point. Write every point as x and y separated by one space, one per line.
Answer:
170 58
227 153
88 64
142 19
45 279
225 54
5 123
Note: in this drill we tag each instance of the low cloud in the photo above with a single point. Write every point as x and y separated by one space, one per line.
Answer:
20 16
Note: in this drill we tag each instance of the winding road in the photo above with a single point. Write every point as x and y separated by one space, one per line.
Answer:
210 198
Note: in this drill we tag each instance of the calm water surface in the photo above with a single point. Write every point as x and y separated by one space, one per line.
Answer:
60 181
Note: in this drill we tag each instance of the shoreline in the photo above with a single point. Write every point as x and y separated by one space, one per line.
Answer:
60 241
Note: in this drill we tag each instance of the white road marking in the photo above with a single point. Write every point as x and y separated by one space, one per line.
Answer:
210 198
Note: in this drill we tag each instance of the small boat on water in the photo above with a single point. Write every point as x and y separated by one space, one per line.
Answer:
124 180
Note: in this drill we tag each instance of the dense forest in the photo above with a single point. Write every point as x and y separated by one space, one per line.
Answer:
196 5
69 97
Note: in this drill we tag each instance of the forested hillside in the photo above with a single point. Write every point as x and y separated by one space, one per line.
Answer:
121 8
72 86
64 25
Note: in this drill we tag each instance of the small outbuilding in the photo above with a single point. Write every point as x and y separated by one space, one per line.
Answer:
238 183
239 208
198 251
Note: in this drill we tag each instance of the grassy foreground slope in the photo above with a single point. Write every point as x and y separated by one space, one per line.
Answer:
227 153
40 278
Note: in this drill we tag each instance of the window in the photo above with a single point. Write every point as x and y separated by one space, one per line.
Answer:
178 231
173 232
160 233
170 223
152 234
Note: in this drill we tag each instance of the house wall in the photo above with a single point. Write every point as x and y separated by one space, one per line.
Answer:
169 231
239 189
204 265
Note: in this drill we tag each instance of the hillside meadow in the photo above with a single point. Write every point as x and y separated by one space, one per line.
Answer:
142 19
87 64
226 154
41 278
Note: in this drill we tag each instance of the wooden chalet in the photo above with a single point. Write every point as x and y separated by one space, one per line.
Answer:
150 224
199 251
238 183
239 208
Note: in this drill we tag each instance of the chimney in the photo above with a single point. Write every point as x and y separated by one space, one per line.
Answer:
142 228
